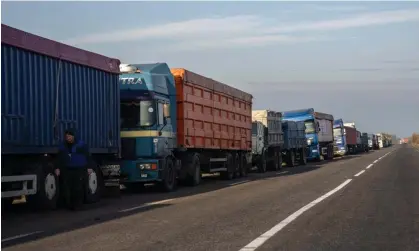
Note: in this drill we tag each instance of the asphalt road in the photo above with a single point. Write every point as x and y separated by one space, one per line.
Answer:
314 207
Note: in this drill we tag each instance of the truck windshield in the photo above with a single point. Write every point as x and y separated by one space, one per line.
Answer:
138 114
337 131
310 126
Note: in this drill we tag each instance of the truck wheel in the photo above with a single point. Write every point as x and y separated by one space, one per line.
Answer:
229 174
169 182
237 171
275 162
326 157
279 157
262 163
47 188
6 203
291 158
94 185
329 154
303 157
194 177
243 166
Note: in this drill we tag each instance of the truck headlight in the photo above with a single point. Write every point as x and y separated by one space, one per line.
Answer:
145 166
309 141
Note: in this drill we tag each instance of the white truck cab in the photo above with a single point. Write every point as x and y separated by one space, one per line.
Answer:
258 137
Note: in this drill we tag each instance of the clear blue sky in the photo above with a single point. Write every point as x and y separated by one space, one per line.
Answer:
357 61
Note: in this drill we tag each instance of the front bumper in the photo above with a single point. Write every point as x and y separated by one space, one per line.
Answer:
111 174
313 152
340 152
131 171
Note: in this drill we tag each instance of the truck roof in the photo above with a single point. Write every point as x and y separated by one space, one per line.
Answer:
153 68
27 41
307 111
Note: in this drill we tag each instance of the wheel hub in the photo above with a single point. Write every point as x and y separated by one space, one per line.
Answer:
50 186
93 182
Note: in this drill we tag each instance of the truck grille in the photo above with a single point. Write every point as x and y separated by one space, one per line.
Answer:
128 148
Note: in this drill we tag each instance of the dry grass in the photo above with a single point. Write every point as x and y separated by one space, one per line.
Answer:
415 140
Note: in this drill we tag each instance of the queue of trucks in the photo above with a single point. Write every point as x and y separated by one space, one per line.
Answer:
144 123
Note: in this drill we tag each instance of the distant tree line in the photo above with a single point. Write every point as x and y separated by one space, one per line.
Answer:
415 139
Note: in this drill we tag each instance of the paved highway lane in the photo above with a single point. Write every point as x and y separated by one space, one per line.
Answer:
378 210
221 216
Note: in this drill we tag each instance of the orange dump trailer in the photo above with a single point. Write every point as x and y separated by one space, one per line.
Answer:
214 121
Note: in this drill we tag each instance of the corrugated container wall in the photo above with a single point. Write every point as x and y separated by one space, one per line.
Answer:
34 87
272 120
211 115
294 134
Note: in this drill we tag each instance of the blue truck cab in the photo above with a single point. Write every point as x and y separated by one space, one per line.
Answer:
148 124
318 144
339 137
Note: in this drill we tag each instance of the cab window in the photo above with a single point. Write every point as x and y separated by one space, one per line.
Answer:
161 113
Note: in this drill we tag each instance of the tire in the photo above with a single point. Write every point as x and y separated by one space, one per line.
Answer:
262 165
329 154
229 174
319 158
279 157
169 182
291 158
275 164
194 175
326 157
48 188
243 167
237 166
303 157
6 203
94 185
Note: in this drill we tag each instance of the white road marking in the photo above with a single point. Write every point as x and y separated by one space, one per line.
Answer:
363 171
238 183
375 161
270 233
369 166
20 236
284 172
144 205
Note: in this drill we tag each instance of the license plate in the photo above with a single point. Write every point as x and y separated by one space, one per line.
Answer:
143 175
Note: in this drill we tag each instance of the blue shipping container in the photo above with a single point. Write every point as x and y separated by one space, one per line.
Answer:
42 96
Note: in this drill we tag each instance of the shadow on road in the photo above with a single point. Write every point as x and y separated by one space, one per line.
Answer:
19 219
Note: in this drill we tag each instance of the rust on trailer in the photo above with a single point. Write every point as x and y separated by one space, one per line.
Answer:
210 114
